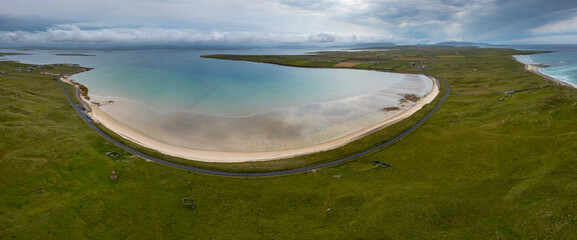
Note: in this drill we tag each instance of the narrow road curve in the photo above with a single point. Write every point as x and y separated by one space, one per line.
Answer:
79 109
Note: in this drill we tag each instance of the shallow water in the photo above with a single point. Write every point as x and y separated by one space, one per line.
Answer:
562 62
176 97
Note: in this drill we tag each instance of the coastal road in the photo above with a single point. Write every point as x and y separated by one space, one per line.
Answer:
80 110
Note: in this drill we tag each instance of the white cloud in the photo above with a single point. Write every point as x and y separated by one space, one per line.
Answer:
189 21
70 33
556 39
560 27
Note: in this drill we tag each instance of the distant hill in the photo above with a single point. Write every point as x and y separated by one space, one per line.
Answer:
360 46
137 47
463 44
369 45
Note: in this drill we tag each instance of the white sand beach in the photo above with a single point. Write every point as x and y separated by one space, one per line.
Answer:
535 69
131 134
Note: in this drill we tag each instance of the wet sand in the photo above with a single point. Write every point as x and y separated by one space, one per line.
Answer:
100 115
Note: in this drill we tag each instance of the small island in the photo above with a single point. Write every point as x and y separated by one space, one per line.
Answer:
12 54
73 54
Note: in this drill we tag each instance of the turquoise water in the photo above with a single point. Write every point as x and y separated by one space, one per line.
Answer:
179 98
562 62
177 80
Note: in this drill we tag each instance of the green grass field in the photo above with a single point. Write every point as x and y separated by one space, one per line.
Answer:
478 169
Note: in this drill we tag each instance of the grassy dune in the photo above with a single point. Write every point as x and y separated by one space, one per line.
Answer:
480 168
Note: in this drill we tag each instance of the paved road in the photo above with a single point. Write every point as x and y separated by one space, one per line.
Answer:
79 109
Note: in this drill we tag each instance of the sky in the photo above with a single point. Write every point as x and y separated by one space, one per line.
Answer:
285 22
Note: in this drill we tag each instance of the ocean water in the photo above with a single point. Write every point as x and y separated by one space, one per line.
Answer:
177 97
562 63
176 80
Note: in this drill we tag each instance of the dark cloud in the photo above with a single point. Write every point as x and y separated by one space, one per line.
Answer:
32 23
308 4
294 21
511 19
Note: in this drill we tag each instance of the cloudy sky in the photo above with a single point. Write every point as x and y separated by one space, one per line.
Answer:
286 22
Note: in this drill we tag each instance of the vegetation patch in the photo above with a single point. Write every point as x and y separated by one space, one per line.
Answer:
73 54
410 97
387 109
347 64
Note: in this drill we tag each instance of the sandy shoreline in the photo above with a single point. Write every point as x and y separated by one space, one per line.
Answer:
534 68
222 156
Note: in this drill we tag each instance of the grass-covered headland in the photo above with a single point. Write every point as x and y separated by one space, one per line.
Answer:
487 165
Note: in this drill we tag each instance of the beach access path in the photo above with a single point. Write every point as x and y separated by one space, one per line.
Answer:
79 108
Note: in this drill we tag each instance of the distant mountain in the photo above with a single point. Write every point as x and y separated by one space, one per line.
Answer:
463 44
368 45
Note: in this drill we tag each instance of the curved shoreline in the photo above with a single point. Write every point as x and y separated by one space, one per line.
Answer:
535 68
229 157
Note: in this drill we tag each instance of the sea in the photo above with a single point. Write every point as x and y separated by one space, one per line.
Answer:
561 62
177 97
